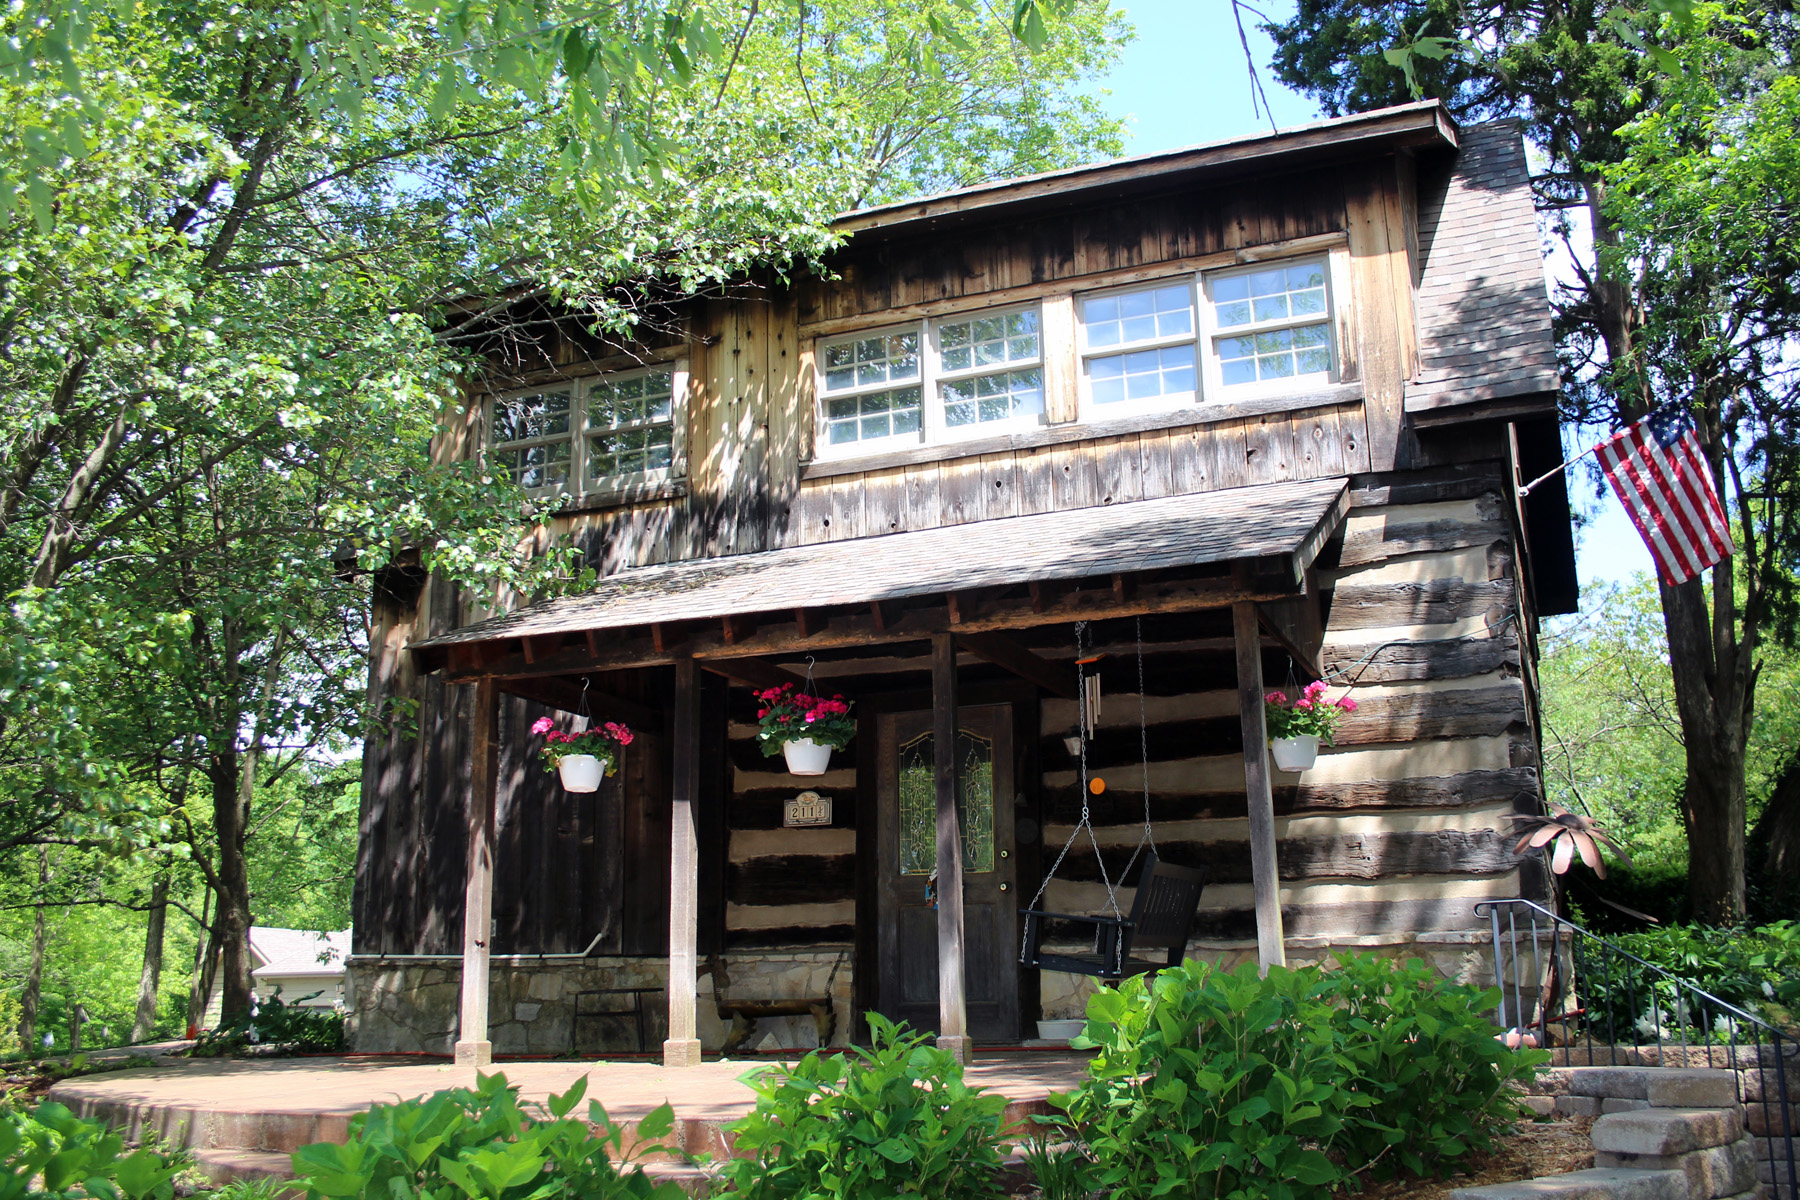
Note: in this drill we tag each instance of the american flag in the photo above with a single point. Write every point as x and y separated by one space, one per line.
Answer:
1656 467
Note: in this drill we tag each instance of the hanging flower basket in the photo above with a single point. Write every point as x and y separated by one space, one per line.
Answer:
581 772
1295 753
806 757
582 759
1297 726
803 728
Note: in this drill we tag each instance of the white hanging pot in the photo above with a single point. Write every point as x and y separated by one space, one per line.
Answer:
806 757
581 772
1295 753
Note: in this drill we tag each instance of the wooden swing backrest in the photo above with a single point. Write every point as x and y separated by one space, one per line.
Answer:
1163 913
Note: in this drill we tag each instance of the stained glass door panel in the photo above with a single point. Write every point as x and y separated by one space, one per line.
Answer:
916 774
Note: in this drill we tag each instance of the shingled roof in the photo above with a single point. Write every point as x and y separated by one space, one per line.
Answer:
1294 518
1484 327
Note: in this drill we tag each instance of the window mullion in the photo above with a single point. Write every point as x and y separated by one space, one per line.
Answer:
931 404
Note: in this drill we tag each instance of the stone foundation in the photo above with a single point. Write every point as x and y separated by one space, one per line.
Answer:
411 1005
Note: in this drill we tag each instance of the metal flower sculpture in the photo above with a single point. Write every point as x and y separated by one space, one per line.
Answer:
1567 834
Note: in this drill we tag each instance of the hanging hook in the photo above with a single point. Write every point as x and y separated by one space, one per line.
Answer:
809 678
585 680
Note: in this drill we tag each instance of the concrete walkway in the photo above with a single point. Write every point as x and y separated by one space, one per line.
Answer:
242 1117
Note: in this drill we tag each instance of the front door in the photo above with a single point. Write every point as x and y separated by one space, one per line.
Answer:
907 938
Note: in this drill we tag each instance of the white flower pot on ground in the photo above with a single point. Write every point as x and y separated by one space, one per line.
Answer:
1060 1031
806 757
1295 753
581 772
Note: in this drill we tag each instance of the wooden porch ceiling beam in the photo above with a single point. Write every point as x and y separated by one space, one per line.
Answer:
635 649
1005 652
751 672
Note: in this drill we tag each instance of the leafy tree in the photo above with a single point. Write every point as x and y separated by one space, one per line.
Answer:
261 251
1689 313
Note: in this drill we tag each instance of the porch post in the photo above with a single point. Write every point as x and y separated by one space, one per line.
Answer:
953 1022
683 1047
1257 786
473 1049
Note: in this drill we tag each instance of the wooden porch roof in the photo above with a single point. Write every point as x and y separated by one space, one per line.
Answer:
1278 529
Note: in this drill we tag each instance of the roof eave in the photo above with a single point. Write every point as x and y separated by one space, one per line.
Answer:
1413 126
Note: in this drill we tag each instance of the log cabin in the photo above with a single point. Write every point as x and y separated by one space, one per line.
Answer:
1214 421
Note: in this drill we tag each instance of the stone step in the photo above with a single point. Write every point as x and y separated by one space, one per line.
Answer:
245 1166
1712 1173
1667 1131
1597 1183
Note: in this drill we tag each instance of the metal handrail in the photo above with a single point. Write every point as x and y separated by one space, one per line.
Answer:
1742 1029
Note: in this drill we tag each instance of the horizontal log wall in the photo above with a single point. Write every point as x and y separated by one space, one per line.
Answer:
1402 827
785 887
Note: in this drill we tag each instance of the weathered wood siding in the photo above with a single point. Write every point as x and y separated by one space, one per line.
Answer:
750 406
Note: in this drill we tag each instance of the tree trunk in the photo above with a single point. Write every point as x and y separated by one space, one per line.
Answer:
1777 838
150 977
1712 679
205 954
233 921
34 973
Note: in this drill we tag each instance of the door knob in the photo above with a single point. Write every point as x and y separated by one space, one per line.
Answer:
1006 854
1006 887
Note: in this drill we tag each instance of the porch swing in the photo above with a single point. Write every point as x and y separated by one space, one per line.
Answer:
1155 935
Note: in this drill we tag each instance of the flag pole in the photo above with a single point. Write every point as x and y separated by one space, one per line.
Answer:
1559 468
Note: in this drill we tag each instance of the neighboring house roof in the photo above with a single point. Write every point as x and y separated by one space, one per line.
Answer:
292 953
1177 531
1484 320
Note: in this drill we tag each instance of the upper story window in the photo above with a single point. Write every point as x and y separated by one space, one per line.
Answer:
934 380
1216 336
593 435
1270 325
1138 346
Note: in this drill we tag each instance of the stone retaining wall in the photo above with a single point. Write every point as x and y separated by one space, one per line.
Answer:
411 1005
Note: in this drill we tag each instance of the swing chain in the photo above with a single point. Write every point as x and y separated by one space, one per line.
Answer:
1086 820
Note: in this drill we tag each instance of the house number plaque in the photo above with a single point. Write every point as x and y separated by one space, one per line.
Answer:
808 808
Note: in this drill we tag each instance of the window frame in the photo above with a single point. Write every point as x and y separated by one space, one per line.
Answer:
933 428
943 430
581 389
1213 382
822 445
1086 408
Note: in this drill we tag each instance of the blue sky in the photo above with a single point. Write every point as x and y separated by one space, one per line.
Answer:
1183 81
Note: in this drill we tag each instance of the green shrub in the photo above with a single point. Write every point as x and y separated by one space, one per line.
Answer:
273 1025
1214 1084
1424 1051
1758 970
484 1145
52 1154
893 1120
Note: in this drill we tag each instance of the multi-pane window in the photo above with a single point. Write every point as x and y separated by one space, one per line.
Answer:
1143 348
1272 323
530 437
1138 345
587 435
989 369
942 378
630 424
872 388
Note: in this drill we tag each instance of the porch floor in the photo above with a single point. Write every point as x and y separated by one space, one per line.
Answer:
242 1116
